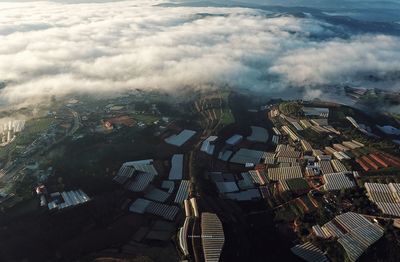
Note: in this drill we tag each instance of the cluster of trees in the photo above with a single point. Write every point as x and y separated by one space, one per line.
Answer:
291 108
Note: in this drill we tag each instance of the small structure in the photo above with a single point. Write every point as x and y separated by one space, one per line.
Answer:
245 195
389 130
338 181
306 146
168 185
284 173
326 167
136 175
66 199
225 155
309 252
244 156
183 192
338 166
208 145
234 140
181 138
182 237
316 111
258 134
142 206
176 172
227 187
290 133
156 194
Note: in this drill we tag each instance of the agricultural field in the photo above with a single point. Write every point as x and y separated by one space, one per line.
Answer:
227 117
291 108
286 213
33 128
146 118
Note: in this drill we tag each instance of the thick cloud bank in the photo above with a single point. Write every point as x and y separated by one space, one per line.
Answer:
107 48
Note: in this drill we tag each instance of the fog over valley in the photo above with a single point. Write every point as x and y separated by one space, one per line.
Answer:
63 48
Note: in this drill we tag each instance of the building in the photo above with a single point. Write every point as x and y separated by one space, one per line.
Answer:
153 193
338 166
385 196
276 131
244 156
258 134
290 133
181 138
296 125
338 181
234 140
287 152
340 147
208 145
284 147
244 195
224 155
363 165
67 199
389 130
320 121
329 150
341 155
306 146
182 237
284 173
142 206
309 252
326 167
305 123
275 139
353 232
183 192
316 111
176 172
213 237
226 187
129 169
350 144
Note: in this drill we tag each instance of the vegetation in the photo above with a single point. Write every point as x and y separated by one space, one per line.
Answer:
286 214
33 128
291 108
227 117
146 118
24 187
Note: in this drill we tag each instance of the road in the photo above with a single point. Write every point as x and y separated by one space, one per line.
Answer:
210 122
76 123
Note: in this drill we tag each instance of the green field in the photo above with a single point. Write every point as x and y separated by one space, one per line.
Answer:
291 108
147 119
227 117
32 129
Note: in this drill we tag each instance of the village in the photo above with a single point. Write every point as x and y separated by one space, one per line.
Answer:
317 175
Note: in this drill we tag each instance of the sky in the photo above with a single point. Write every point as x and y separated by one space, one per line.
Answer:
68 47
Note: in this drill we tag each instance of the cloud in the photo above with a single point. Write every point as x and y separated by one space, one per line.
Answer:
340 61
109 48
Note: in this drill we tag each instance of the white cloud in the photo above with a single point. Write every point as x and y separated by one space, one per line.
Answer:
340 60
53 48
